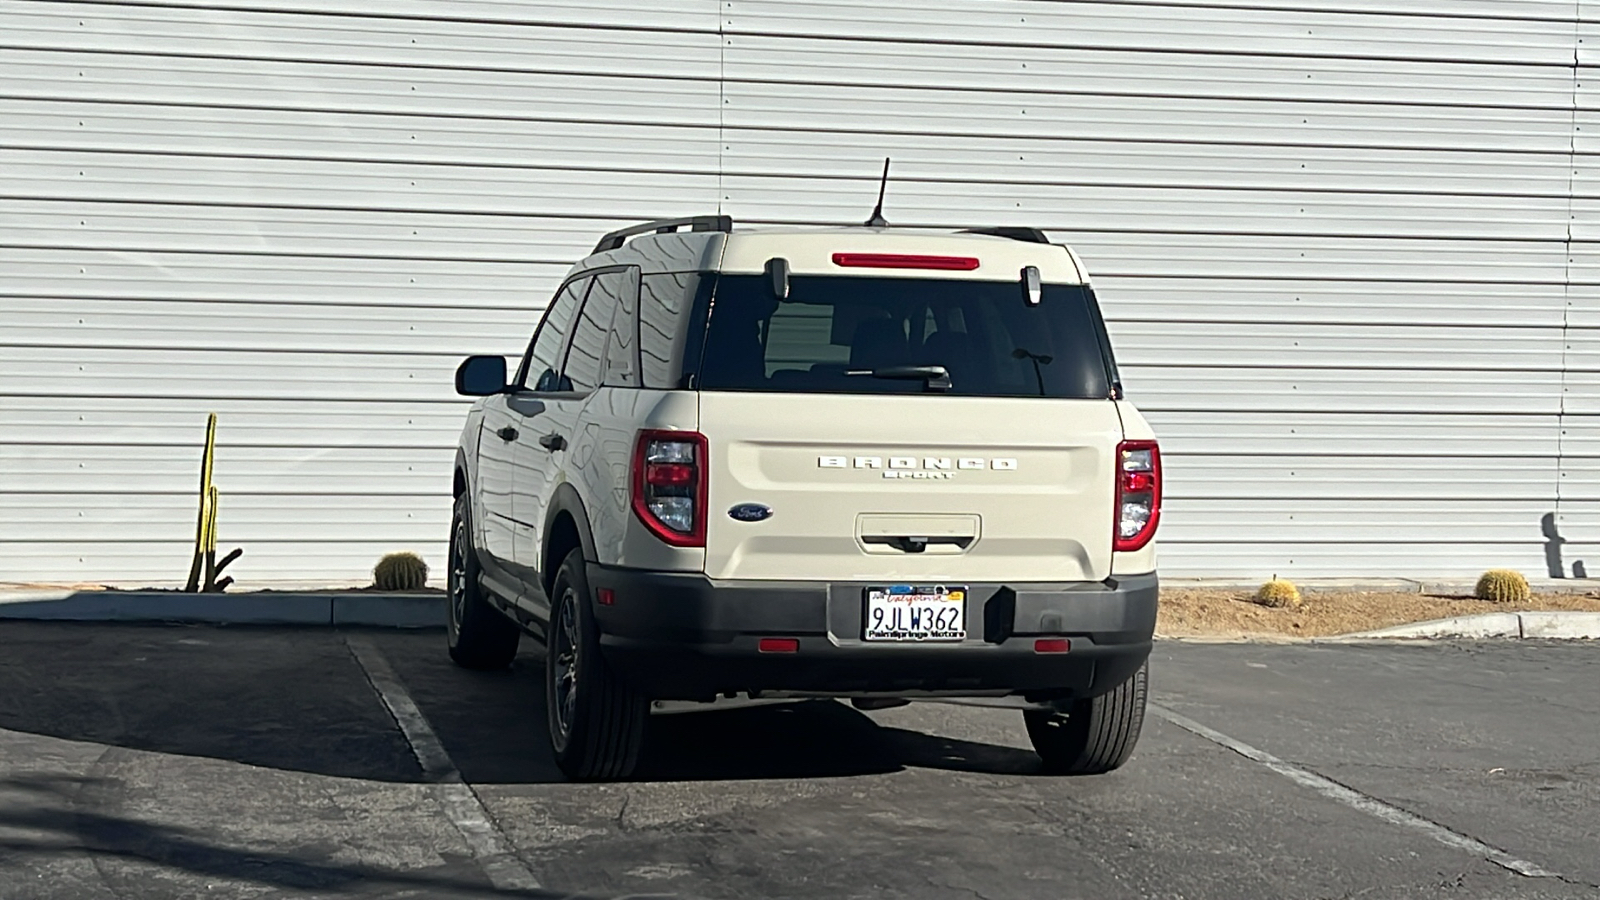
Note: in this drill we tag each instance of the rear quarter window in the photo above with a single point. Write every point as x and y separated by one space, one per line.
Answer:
672 308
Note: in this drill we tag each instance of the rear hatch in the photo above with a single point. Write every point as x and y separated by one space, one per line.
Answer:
888 428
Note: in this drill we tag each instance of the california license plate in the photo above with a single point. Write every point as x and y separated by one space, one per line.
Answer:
905 612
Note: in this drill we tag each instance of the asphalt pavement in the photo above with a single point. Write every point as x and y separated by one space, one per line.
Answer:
153 761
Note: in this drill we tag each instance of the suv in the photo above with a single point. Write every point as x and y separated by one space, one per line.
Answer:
859 463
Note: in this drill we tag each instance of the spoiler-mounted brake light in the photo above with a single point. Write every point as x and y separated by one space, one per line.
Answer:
905 261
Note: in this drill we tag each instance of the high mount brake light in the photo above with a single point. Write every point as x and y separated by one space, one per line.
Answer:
1138 494
905 261
669 486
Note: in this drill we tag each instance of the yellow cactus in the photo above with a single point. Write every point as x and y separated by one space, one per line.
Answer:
1503 586
1279 594
400 572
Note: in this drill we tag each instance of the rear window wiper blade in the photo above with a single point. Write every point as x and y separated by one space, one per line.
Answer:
936 378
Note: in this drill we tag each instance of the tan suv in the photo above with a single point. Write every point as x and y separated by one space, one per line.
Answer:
861 463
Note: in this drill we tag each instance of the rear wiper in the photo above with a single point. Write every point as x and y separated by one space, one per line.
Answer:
1038 360
936 378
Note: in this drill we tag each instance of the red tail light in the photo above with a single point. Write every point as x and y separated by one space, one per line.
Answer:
1138 494
905 261
669 486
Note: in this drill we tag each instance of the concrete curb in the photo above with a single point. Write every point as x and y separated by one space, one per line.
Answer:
385 610
1557 625
1381 585
275 608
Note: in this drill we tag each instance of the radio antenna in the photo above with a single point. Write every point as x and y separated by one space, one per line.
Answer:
877 220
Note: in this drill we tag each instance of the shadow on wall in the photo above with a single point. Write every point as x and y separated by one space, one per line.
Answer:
1552 550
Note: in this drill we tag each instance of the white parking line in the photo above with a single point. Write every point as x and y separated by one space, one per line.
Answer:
461 804
1357 800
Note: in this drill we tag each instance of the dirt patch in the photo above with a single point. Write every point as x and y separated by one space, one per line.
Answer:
1227 614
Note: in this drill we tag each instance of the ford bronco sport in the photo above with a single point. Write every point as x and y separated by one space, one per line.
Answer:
861 463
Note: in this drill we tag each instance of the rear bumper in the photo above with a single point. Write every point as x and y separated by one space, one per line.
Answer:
679 636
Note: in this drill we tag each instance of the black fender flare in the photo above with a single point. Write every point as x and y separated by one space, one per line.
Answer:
467 475
566 500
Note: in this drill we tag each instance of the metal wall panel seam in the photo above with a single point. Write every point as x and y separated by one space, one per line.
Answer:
1553 10
576 16
1301 35
1556 566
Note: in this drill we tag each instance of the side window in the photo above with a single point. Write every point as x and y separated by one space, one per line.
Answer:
581 372
664 301
540 368
622 344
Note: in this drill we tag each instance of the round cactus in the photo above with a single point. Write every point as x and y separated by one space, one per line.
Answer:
1503 586
400 572
1278 594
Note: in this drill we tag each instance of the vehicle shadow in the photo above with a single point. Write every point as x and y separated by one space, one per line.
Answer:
812 739
493 726
297 699
280 698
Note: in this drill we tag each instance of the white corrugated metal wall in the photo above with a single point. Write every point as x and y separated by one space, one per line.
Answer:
1350 248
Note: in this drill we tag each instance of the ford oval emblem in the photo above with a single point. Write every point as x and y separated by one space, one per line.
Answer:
750 512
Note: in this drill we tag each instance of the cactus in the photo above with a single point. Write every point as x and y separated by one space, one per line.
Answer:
1278 594
400 572
1503 586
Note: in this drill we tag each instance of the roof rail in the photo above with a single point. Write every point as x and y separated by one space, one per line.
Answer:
1014 232
617 238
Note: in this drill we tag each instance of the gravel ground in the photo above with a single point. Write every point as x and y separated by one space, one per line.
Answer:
1232 614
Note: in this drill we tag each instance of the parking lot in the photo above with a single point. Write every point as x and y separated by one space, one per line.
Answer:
169 761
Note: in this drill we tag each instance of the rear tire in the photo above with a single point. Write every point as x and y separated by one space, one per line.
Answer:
1093 736
597 722
480 637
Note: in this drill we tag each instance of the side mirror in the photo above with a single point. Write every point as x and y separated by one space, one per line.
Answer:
480 376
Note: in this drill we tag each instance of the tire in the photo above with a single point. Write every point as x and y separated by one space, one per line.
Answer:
596 722
480 637
1093 736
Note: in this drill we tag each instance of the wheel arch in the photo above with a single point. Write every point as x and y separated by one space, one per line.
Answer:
566 526
461 479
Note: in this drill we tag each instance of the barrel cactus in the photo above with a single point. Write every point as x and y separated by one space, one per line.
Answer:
1279 594
403 571
1503 586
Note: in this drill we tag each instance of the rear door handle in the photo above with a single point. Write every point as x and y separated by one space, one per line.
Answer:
916 543
553 442
507 433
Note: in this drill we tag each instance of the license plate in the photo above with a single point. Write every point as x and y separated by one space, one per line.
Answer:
906 612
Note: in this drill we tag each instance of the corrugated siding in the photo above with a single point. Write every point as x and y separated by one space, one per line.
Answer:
1575 537
300 216
1350 249
1331 238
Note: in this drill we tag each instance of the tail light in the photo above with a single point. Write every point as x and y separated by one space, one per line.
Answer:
1138 494
669 486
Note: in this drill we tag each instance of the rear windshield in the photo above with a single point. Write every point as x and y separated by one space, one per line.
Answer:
831 332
